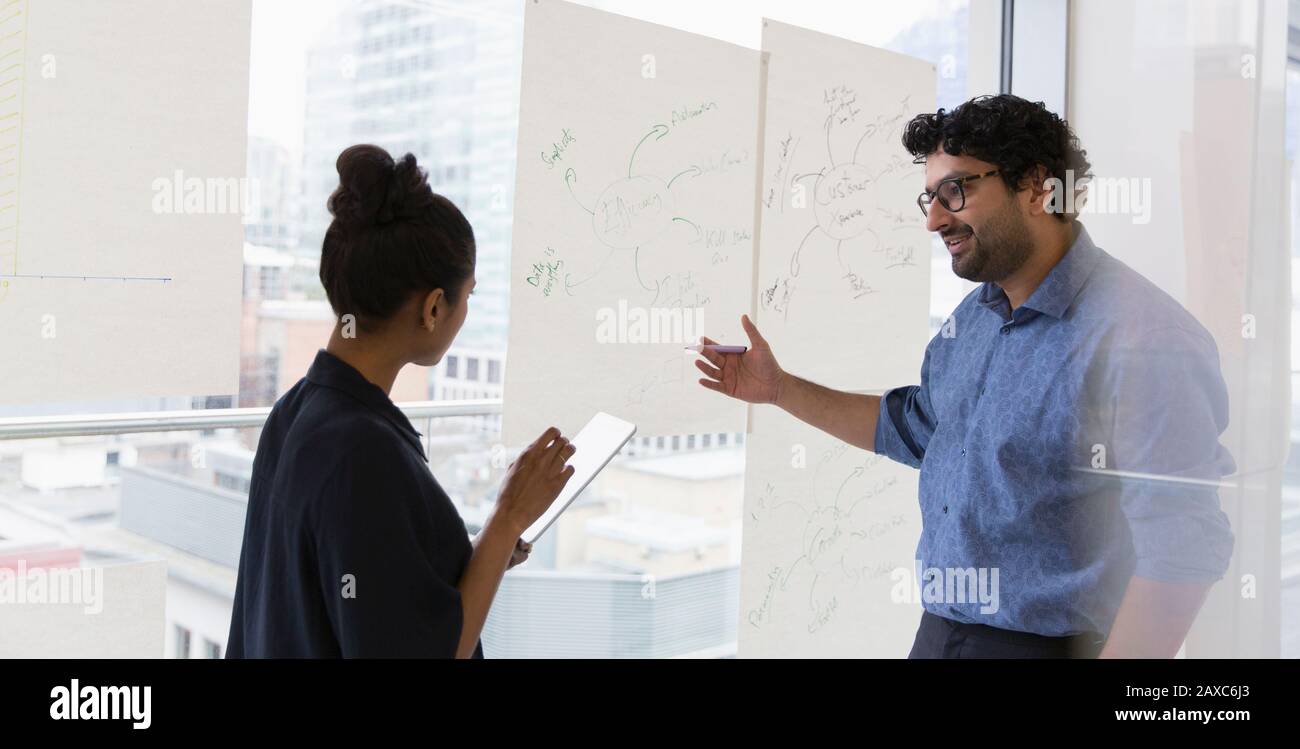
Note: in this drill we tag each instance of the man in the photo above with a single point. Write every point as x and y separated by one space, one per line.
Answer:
1053 383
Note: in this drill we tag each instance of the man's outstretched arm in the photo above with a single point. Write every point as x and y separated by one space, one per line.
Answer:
756 377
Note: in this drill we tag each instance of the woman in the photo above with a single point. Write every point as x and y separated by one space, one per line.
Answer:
351 548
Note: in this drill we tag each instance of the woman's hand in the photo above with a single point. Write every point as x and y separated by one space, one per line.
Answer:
753 377
533 482
520 554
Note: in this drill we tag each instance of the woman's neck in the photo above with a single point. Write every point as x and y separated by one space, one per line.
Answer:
376 362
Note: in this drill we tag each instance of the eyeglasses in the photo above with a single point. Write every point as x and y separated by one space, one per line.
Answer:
951 193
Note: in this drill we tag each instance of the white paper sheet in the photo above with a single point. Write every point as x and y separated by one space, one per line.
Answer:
634 221
123 128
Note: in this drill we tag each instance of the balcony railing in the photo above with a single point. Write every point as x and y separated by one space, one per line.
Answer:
37 427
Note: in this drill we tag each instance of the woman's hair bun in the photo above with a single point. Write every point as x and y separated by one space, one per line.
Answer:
392 237
375 190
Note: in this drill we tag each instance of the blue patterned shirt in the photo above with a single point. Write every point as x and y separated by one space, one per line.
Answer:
1028 426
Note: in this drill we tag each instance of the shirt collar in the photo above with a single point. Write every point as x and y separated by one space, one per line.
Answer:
330 371
1061 285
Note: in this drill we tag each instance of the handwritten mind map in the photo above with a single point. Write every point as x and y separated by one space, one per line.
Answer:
636 211
843 298
845 196
844 267
650 163
634 221
826 527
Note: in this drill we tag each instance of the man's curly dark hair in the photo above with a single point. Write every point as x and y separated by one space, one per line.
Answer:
1015 134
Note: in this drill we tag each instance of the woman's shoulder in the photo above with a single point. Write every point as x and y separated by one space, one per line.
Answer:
329 416
315 437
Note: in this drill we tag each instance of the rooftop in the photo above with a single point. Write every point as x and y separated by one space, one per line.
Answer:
697 465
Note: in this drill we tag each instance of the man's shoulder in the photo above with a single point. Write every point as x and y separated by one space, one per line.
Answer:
1135 310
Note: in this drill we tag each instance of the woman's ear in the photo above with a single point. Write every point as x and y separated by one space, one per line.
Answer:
429 309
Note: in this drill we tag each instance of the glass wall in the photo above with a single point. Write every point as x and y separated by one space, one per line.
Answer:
656 540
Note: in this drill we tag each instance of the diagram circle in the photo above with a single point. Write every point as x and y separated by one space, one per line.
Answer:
632 211
843 200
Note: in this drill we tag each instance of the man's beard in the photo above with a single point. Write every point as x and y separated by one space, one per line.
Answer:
1001 248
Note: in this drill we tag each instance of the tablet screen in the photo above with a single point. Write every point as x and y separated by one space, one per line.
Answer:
597 442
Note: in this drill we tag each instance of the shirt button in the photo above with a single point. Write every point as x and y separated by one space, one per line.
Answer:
963 451
945 509
1006 330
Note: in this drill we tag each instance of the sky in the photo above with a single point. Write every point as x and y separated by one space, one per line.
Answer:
282 30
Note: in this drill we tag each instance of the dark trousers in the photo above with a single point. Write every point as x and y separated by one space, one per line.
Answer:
938 637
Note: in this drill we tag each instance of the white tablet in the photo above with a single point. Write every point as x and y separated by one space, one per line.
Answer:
597 442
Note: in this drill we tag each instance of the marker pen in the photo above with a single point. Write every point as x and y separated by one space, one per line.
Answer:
718 348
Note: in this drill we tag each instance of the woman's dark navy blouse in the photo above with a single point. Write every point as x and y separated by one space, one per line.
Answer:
351 548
